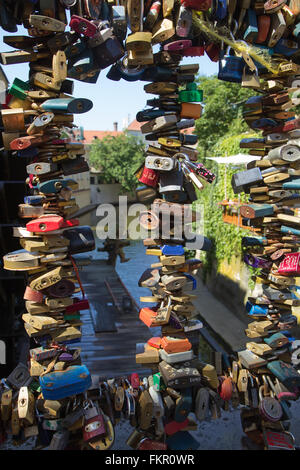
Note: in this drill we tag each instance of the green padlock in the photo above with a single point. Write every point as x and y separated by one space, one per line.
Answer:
158 383
191 94
19 88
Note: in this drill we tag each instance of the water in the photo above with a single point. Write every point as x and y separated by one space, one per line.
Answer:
131 271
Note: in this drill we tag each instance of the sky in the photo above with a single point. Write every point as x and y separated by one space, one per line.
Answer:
112 101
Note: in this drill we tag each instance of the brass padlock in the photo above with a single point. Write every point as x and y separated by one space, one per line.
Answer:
163 30
26 405
6 405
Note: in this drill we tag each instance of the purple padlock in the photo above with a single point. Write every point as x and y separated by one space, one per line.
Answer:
66 357
256 262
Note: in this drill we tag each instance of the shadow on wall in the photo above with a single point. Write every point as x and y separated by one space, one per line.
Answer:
229 283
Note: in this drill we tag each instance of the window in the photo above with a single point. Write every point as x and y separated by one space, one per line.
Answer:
92 180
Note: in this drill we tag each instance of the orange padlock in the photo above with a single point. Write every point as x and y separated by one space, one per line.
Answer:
190 111
154 342
147 316
174 344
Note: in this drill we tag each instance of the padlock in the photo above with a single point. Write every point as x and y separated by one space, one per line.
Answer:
231 68
94 424
251 27
163 29
6 405
26 405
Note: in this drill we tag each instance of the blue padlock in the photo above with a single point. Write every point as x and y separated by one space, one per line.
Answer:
252 27
289 230
29 152
286 47
264 124
172 250
33 200
253 241
220 11
231 68
292 184
256 310
191 278
54 186
68 105
288 335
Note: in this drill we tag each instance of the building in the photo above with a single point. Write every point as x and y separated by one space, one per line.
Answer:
100 192
134 128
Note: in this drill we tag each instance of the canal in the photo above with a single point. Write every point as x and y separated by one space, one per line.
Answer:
130 273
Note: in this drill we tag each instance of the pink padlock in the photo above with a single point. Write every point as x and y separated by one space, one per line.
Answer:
290 264
83 26
33 295
179 45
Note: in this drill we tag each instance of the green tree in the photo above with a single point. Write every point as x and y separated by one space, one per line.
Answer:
220 130
118 157
222 112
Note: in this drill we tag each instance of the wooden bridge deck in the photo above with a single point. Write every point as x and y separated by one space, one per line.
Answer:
109 336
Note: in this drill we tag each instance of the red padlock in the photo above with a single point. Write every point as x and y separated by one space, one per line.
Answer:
135 380
263 23
94 427
83 26
78 305
290 264
200 5
149 177
174 426
50 223
148 444
291 125
193 51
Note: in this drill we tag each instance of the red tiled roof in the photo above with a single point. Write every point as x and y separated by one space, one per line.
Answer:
90 135
135 126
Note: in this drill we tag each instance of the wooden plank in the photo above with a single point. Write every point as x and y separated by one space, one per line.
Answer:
110 353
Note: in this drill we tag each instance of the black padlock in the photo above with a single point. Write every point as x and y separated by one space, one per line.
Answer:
81 239
108 53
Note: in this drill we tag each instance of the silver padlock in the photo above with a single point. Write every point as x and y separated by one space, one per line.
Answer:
155 162
90 410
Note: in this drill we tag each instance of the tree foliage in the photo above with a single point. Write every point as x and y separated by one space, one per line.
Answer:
118 157
222 111
220 130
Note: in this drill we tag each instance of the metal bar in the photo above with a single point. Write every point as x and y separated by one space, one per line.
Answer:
116 304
